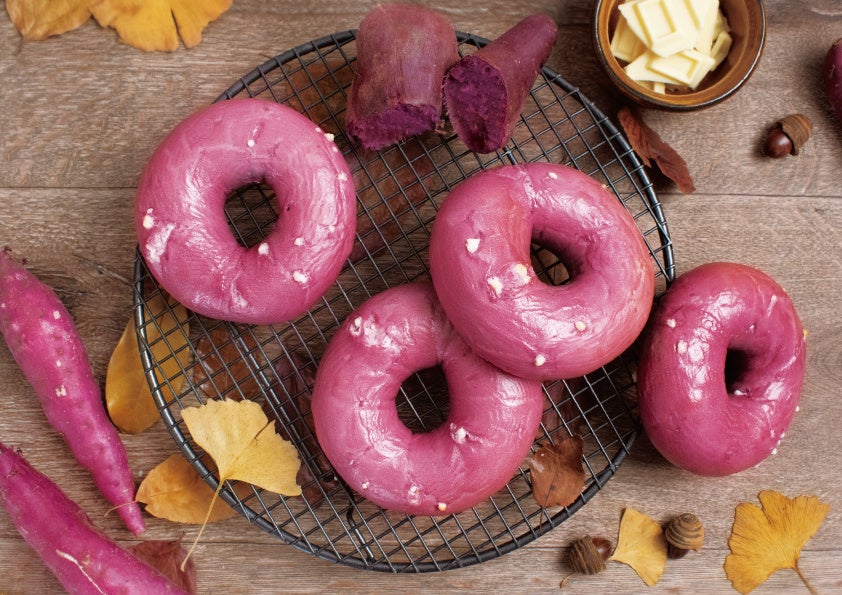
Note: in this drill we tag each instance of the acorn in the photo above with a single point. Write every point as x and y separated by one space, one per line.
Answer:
684 533
787 136
587 555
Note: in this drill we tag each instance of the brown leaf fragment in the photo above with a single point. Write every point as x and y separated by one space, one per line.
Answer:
556 472
652 148
167 556
222 371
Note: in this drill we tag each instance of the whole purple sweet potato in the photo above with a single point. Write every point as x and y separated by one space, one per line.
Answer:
833 77
484 92
82 557
43 339
403 52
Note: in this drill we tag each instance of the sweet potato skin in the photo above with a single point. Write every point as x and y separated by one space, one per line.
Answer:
43 340
484 92
81 556
403 53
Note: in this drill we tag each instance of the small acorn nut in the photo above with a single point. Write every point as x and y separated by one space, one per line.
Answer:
684 533
787 136
587 555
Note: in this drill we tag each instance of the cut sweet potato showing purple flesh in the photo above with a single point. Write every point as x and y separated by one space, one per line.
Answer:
403 53
484 93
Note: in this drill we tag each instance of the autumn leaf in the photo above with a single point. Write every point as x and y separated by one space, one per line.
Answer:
651 147
769 537
127 396
641 545
40 19
175 491
556 472
151 25
166 557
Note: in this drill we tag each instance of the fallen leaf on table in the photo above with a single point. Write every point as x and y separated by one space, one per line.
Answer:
556 472
641 545
167 557
127 396
155 25
769 537
175 491
242 442
40 19
651 147
151 25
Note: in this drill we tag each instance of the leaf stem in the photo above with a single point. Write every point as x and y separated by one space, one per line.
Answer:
803 578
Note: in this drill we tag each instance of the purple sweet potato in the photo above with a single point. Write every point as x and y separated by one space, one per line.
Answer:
403 52
82 557
833 77
43 339
484 92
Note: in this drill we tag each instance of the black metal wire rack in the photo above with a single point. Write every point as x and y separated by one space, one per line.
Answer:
399 191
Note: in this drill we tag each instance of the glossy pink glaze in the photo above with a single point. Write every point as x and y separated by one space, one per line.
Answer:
183 233
491 424
481 269
698 418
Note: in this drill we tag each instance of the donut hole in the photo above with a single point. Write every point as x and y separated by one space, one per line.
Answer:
549 265
423 401
736 365
250 211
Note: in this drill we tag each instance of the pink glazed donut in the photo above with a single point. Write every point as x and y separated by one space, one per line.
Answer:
482 272
181 227
721 369
491 424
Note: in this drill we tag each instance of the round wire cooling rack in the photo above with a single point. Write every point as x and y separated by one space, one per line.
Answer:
399 191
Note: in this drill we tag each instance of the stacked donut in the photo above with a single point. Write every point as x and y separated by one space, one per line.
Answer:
495 329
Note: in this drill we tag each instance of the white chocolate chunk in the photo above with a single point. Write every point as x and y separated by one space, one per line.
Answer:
298 241
61 391
56 315
706 35
688 67
580 326
148 219
497 285
665 26
441 506
472 244
625 44
721 47
540 360
300 277
263 249
640 70
681 347
521 271
342 177
671 322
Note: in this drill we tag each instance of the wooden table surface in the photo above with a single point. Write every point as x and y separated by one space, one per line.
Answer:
81 113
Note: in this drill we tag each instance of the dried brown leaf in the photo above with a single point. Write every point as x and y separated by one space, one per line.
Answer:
556 472
652 148
222 371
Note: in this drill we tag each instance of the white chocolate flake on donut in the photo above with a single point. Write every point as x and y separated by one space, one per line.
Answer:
299 241
459 434
329 136
441 506
331 228
61 391
521 271
250 142
148 219
56 315
671 322
365 485
472 244
342 177
540 360
157 243
580 326
263 249
300 277
356 326
495 284
552 175
681 347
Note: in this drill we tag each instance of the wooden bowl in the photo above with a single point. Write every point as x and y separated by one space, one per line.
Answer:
747 20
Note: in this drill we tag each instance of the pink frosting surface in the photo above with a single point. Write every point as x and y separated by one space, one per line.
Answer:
492 421
183 233
482 272
701 417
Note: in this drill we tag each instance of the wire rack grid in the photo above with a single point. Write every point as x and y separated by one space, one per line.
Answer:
399 190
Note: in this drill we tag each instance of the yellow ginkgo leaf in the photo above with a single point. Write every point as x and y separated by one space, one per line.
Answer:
641 545
242 442
154 25
39 19
127 396
173 490
769 537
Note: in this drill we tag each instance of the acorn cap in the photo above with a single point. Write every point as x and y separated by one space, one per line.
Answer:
685 532
798 128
